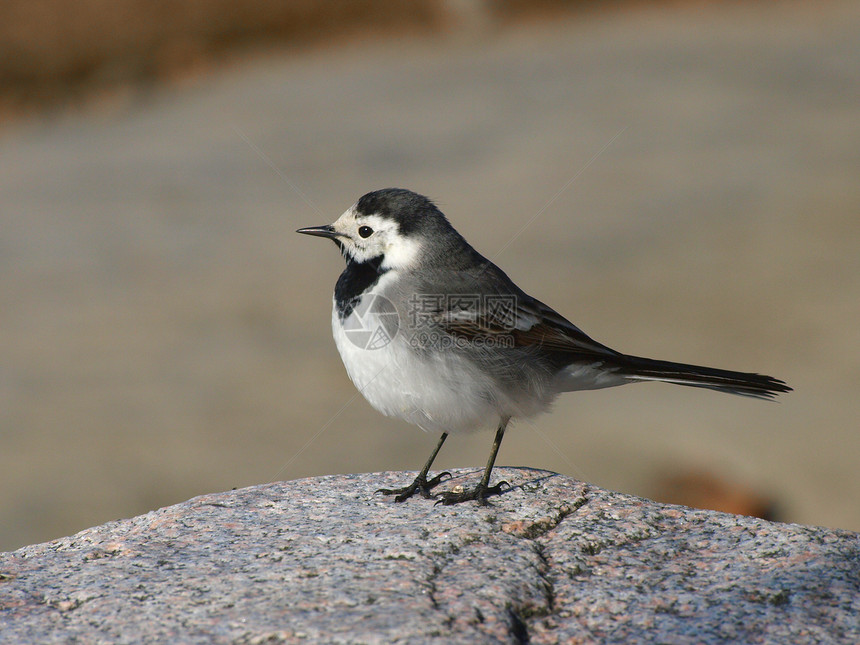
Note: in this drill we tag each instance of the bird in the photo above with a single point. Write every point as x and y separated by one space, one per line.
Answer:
434 333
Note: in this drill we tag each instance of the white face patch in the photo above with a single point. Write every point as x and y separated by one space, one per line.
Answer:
367 237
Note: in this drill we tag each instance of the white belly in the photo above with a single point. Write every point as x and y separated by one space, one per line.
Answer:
439 393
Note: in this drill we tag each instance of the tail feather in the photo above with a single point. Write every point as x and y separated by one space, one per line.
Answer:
743 383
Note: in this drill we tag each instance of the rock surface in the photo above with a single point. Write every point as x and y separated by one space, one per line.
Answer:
324 559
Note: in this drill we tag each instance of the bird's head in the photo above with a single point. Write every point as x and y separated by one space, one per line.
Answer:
392 226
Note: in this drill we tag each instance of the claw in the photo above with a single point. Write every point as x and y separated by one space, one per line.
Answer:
479 493
438 479
419 485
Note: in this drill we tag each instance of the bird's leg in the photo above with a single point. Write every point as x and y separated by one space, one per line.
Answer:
483 489
421 484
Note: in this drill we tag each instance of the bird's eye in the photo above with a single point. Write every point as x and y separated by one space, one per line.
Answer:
365 231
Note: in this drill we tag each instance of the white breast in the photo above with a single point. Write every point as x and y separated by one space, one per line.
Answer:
439 393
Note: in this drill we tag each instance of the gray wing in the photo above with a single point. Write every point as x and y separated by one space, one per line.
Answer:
484 304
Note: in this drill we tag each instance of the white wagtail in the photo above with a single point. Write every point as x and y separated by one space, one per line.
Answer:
432 332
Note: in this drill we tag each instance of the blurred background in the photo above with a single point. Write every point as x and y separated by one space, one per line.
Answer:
680 179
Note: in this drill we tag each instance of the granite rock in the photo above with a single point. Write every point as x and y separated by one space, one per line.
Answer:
325 559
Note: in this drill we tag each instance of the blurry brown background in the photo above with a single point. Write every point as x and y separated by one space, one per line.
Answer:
680 179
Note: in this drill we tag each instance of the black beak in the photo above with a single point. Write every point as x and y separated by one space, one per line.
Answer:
320 231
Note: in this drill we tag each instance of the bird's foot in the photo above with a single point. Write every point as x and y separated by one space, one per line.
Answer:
479 492
420 485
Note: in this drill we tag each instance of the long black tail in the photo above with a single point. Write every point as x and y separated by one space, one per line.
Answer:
743 383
